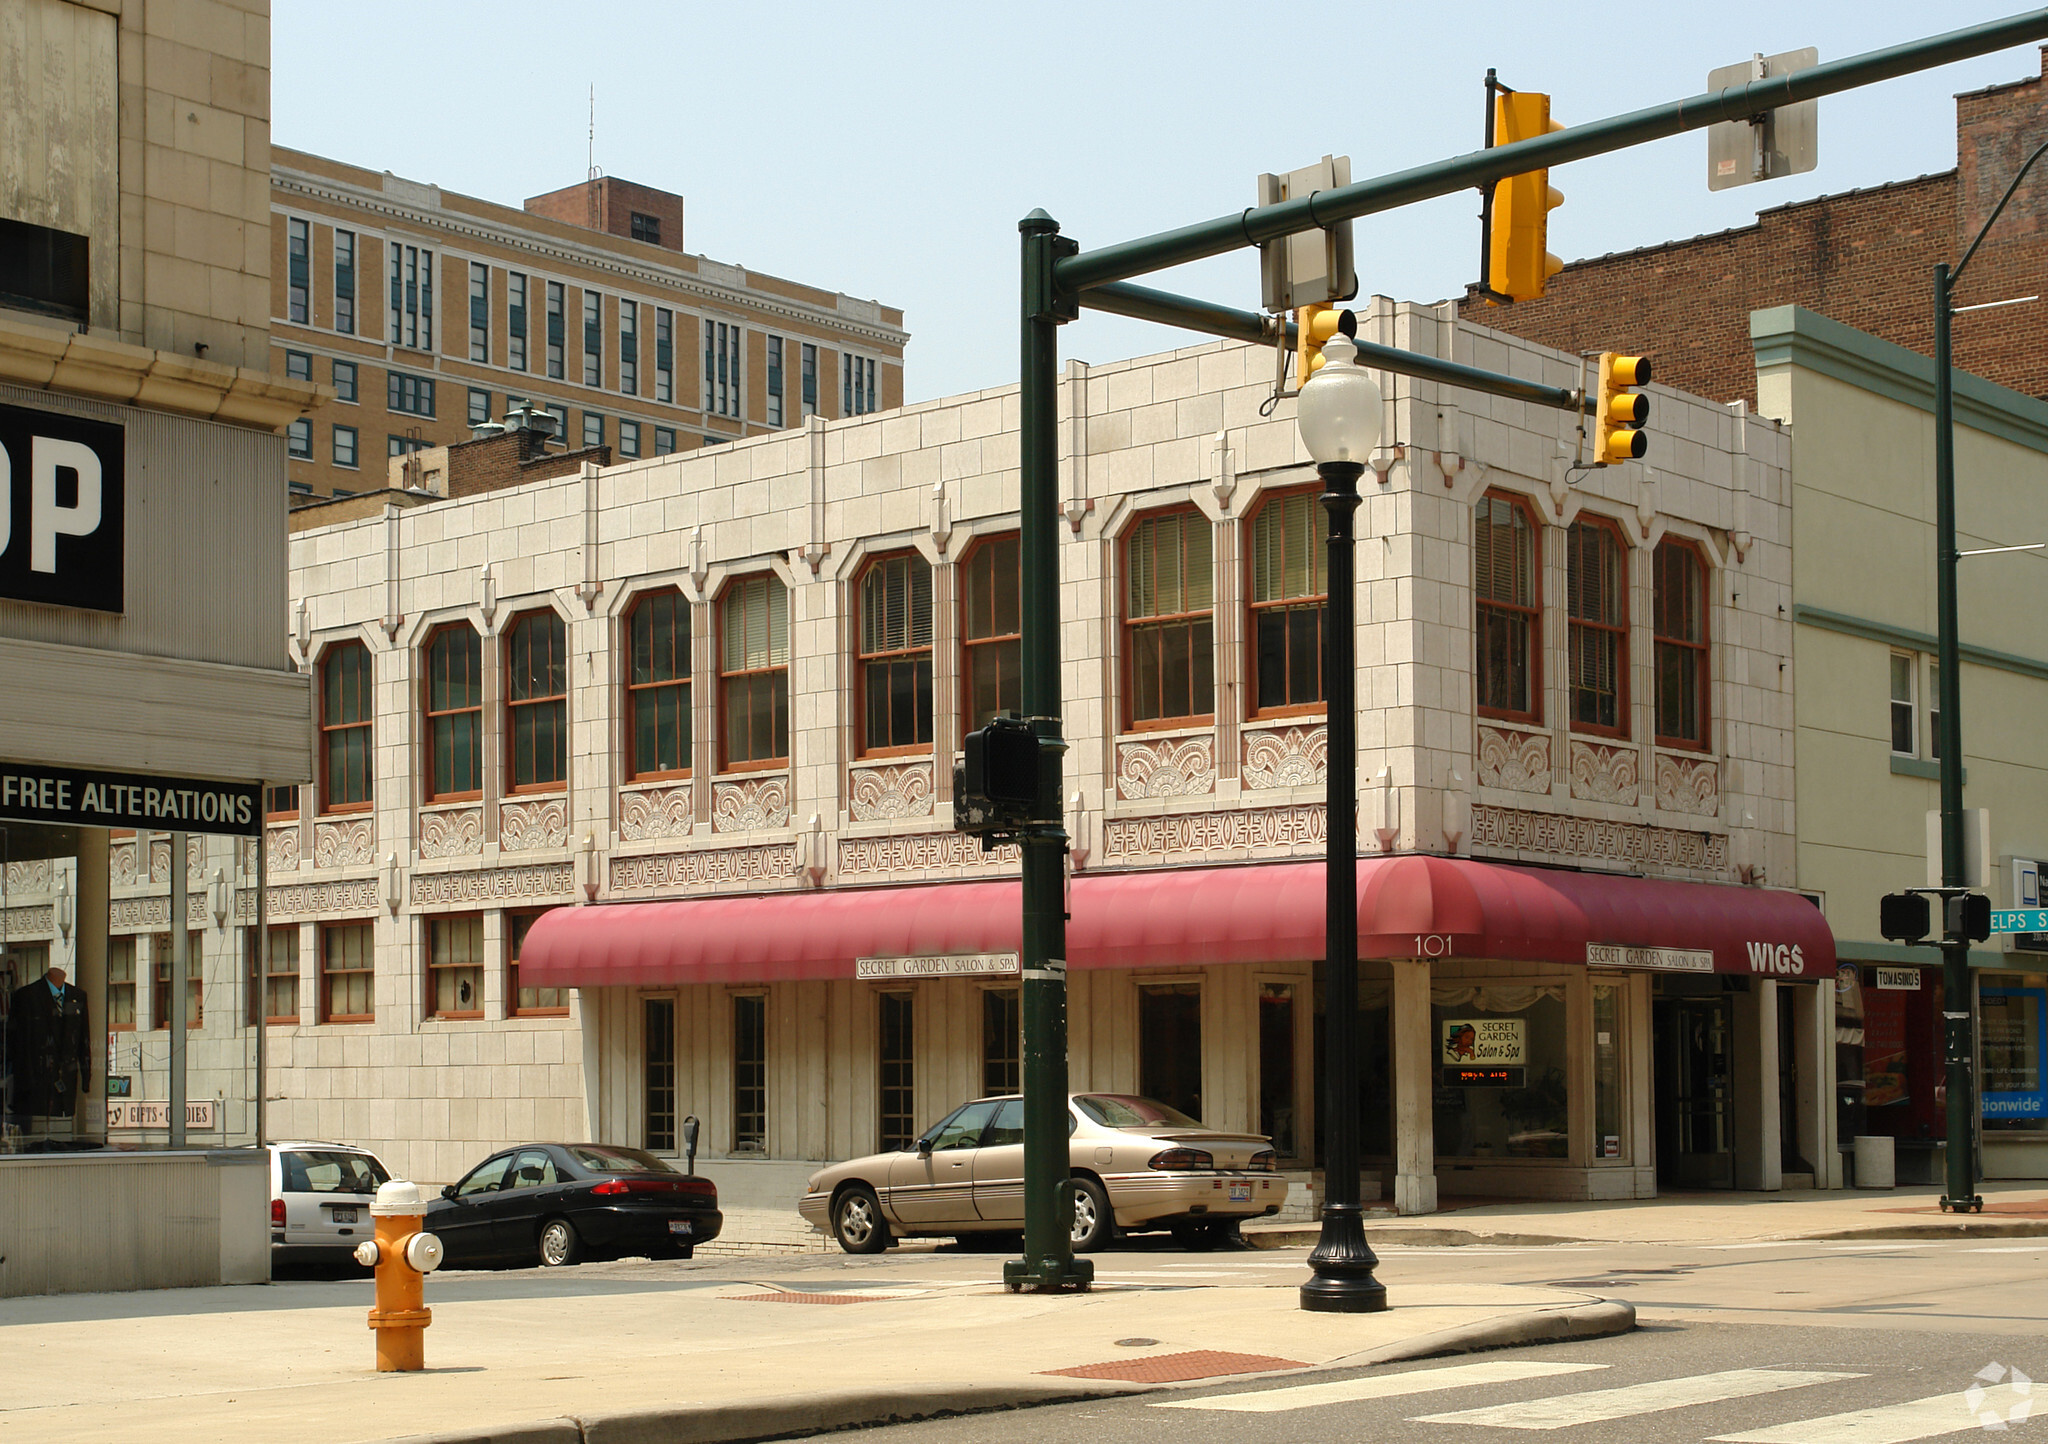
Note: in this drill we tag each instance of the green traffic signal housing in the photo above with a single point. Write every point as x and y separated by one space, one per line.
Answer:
1621 411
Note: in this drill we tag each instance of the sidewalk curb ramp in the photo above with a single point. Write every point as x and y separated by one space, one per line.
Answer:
1307 1235
1977 1226
805 1414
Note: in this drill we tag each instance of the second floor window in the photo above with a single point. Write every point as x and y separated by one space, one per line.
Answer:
658 685
455 967
629 347
1168 629
1596 594
1904 714
754 671
721 368
412 297
664 354
896 654
515 321
555 325
775 381
593 339
993 635
1508 610
1681 608
455 714
537 701
479 312
347 707
298 263
1290 543
345 282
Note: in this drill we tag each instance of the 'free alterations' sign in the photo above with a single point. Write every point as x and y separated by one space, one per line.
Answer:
71 797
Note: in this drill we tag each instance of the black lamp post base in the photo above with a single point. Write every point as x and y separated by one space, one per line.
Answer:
1048 1275
1343 1263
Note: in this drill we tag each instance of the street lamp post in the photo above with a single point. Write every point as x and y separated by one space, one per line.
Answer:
1339 416
1961 1194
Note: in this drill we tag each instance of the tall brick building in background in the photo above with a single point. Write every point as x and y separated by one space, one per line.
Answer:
1865 258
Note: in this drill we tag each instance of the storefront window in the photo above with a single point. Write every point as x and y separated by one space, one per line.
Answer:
2015 1022
1170 1045
1902 1051
1501 1079
1607 1130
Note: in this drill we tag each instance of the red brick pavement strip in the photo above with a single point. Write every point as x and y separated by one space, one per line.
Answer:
806 1298
1179 1368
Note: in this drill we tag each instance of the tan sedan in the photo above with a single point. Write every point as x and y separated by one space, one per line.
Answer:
1137 1164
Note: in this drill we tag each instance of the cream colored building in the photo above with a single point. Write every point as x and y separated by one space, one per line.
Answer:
807 622
1860 413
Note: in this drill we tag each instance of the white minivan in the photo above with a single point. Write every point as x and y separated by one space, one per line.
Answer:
320 1197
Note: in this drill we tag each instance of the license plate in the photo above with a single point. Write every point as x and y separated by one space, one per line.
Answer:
344 1215
1240 1193
679 1225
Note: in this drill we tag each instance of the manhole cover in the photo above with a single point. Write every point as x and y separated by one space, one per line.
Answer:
1135 1343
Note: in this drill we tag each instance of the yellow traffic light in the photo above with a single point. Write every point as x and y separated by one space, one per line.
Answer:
1517 262
1618 421
1313 326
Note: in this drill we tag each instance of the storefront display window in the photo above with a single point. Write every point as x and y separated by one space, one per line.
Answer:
1902 1050
1502 1086
2014 1024
1607 1130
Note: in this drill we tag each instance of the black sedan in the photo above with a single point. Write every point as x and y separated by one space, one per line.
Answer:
557 1203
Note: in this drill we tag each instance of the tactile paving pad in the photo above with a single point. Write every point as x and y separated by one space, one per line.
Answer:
1178 1368
806 1298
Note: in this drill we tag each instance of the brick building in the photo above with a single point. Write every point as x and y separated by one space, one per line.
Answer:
430 312
1865 258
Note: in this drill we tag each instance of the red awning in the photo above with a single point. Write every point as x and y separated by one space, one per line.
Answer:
1255 913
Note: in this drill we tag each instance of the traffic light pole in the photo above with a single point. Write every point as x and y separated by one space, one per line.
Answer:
1048 1265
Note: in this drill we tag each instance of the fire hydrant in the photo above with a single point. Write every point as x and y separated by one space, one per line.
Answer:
403 1254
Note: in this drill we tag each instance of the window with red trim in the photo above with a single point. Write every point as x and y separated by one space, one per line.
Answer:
455 967
525 1002
1508 603
537 702
896 655
455 714
1681 630
754 672
1169 637
1596 594
1289 601
347 707
992 638
658 687
348 972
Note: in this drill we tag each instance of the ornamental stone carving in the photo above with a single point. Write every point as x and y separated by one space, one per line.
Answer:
160 859
1142 839
647 813
1514 761
121 864
348 843
1286 757
1510 829
530 824
1605 774
280 848
451 831
916 852
29 921
754 805
472 885
707 868
1166 767
356 895
885 793
142 913
34 875
1688 784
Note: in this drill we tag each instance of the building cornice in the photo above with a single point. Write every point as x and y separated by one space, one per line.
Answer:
1795 336
78 364
1912 641
549 248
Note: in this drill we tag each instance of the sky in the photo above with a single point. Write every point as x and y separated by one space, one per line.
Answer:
888 150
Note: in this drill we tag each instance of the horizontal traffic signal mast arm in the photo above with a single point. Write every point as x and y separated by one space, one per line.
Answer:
1145 304
1258 224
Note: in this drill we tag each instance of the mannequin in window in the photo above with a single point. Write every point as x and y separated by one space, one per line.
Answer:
47 1047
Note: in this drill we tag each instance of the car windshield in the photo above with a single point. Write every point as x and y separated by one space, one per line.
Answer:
604 1158
1125 1111
332 1173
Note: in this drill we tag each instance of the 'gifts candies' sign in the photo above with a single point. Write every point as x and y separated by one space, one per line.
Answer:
61 492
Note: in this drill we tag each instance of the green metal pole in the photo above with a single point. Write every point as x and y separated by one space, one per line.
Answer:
1955 951
1048 1265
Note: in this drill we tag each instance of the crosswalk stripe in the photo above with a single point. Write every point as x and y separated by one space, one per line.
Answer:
1927 1418
1567 1409
1379 1386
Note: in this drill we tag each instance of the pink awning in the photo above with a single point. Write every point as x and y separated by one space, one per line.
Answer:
1255 913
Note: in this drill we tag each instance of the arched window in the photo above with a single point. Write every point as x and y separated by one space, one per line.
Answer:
1508 599
992 637
896 655
1170 663
1681 628
1596 593
347 707
1290 544
455 714
753 679
658 686
537 701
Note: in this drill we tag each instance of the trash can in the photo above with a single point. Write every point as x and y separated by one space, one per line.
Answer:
1876 1163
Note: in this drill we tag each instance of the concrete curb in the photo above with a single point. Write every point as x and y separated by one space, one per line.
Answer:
1593 1319
1977 1227
1306 1236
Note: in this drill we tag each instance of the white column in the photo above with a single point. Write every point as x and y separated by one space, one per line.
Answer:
1414 1059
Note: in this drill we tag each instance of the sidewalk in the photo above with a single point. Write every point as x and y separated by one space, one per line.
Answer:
610 1354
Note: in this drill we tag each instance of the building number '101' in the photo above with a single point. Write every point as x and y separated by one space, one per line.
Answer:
1432 945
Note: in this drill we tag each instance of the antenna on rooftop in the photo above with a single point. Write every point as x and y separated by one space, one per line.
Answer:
592 159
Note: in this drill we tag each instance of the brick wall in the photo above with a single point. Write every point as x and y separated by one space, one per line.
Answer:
1865 258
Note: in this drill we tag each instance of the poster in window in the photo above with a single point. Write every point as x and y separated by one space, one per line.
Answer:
1884 1049
1499 1041
2015 1021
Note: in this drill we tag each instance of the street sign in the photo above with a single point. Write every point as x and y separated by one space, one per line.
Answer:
1780 142
2020 920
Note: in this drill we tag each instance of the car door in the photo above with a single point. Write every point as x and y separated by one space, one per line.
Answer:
463 1223
999 1166
934 1189
530 1190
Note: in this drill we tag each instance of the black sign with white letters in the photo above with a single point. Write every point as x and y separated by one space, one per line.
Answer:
61 494
72 797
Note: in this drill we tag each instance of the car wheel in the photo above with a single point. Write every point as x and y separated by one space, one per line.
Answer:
1094 1224
559 1244
857 1222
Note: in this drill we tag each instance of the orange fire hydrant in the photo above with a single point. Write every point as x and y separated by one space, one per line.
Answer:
403 1254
